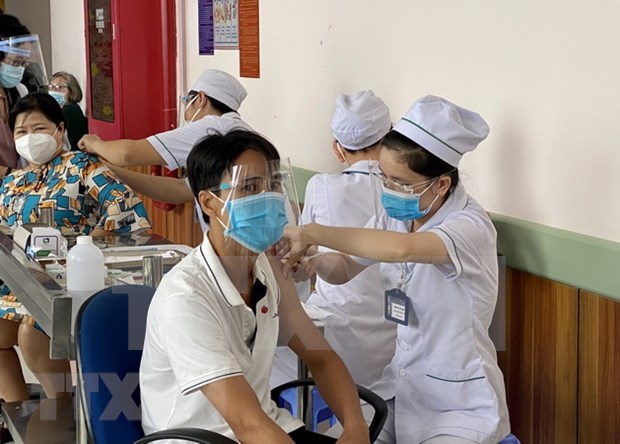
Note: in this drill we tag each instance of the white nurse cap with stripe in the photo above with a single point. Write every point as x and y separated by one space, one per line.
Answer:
443 128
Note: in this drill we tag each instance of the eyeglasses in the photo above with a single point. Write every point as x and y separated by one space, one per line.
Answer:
186 100
250 186
57 86
392 184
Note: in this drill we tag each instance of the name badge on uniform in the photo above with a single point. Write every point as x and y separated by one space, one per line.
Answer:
397 306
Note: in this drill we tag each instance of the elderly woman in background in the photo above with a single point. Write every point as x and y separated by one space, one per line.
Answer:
65 88
87 198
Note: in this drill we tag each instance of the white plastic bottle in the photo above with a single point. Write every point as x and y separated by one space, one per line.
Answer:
85 272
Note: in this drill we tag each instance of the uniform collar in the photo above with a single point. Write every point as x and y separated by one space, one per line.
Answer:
232 115
456 202
361 166
217 272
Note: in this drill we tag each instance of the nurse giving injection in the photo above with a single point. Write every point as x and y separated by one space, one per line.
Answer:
437 248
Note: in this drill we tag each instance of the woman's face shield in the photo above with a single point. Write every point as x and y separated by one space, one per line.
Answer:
258 201
21 61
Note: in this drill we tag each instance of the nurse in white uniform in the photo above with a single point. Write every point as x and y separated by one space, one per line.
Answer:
210 107
360 334
438 248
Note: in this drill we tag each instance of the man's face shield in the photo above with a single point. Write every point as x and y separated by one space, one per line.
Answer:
257 201
21 61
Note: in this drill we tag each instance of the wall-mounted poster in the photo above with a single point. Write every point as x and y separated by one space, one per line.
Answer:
226 23
249 39
205 27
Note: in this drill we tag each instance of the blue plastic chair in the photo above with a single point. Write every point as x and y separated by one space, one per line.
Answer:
109 335
510 439
378 404
320 410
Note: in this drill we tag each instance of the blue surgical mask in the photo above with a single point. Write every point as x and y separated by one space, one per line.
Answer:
59 97
10 75
257 222
404 206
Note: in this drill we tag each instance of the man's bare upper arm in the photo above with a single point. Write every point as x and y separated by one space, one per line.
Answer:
296 329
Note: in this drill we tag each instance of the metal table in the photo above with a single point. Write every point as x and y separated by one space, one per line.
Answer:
43 297
55 420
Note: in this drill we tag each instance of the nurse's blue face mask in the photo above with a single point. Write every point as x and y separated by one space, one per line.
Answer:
404 206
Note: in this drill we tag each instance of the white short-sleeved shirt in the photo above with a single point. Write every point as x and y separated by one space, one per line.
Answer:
359 332
175 145
445 374
199 331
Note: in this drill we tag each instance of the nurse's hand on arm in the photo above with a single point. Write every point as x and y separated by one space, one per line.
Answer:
335 268
376 245
236 401
164 189
330 374
122 152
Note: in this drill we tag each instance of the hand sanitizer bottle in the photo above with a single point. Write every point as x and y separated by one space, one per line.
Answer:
85 272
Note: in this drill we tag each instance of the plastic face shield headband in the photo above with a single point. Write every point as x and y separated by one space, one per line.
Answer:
22 55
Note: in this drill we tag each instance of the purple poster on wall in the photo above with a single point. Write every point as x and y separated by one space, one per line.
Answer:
205 27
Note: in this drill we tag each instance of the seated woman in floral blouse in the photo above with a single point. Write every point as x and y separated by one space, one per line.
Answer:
87 198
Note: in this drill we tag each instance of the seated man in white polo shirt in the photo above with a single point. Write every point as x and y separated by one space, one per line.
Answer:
217 317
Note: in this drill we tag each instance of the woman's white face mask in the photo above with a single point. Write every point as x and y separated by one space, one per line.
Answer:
37 148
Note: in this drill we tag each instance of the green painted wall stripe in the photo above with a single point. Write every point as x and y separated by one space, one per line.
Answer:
581 261
301 177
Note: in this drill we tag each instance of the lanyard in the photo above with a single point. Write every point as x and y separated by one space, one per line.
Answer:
405 275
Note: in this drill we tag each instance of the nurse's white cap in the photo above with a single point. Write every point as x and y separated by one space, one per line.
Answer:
221 86
360 120
443 128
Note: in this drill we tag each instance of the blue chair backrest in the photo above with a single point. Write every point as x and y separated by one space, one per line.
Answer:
109 334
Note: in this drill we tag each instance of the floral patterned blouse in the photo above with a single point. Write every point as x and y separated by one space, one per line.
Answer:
84 193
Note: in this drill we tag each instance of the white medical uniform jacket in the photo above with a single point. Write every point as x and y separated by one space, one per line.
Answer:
199 331
175 145
358 332
445 374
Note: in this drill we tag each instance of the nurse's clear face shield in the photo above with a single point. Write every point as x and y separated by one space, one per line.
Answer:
188 111
257 201
22 62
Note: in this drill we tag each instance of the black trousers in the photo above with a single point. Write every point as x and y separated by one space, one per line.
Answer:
303 436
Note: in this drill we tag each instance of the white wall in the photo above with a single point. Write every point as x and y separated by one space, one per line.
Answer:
68 40
544 74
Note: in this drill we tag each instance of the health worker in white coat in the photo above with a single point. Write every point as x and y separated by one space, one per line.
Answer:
358 332
210 107
438 248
